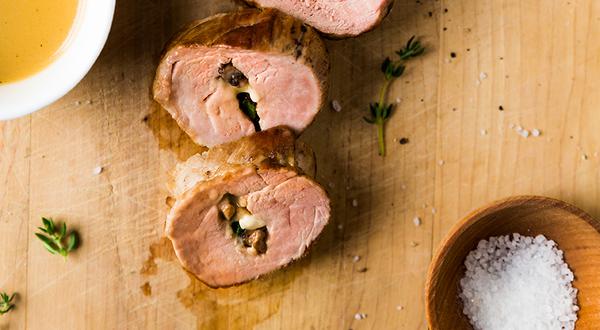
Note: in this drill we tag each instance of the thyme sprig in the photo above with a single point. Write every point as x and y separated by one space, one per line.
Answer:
381 111
55 238
6 302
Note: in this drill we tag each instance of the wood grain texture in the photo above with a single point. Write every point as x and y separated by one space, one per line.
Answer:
540 61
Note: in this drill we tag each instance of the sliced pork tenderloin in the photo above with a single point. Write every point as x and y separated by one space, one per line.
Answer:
246 208
230 75
341 18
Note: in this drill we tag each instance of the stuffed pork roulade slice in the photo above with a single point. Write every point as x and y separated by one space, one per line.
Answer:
247 208
231 75
341 18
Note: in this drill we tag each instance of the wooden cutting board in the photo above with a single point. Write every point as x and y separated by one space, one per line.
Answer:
517 62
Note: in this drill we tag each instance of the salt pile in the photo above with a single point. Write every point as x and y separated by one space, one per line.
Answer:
518 283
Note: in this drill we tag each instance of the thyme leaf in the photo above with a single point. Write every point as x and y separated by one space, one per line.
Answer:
55 239
6 304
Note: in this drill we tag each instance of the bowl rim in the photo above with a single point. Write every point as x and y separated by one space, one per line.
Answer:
76 57
453 234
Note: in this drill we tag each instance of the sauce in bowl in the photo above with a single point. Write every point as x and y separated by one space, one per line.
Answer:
32 33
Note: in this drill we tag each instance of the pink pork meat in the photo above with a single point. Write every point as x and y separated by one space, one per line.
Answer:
341 18
231 75
247 208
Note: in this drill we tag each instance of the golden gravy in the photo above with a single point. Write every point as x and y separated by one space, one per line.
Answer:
31 34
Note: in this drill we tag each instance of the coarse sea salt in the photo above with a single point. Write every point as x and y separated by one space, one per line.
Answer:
417 221
97 170
518 282
335 104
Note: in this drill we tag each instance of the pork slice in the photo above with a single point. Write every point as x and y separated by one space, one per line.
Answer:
294 208
264 171
341 18
283 62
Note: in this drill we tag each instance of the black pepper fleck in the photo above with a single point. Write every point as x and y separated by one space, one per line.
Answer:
453 54
445 28
501 108
404 141
430 14
445 10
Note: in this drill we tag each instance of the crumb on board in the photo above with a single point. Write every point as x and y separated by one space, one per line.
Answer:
355 202
399 307
356 258
360 316
441 162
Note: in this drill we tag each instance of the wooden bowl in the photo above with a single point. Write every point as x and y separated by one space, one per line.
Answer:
575 232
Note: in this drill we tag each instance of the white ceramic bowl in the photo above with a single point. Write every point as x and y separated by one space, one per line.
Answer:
78 54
